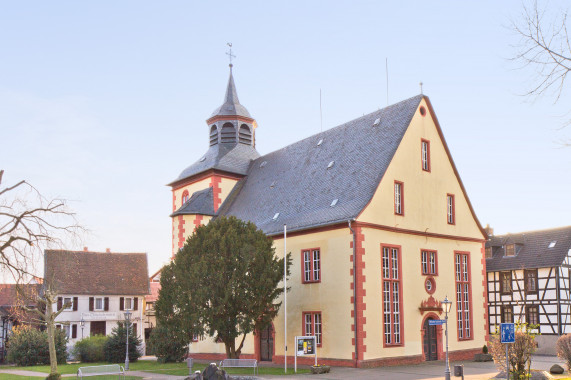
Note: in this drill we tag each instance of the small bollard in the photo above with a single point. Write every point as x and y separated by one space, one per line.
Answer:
189 363
459 371
198 375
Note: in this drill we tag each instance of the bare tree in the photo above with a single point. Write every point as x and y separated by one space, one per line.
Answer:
29 223
545 47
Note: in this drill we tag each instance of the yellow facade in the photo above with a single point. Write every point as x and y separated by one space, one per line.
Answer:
423 225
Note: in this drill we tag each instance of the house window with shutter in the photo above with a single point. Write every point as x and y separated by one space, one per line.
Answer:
128 303
68 301
99 303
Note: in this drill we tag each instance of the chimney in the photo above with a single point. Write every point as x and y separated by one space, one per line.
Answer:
85 249
107 250
489 230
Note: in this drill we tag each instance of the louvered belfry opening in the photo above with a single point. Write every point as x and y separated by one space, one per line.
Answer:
213 135
228 134
245 136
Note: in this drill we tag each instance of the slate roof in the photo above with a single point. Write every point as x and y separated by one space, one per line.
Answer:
231 105
532 249
201 202
97 273
232 158
296 183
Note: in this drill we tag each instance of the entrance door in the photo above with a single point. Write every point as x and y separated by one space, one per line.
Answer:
97 328
267 343
429 342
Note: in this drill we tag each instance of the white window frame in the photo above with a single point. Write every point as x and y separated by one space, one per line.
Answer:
131 301
70 300
102 304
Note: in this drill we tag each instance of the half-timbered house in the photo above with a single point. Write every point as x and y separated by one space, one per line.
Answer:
528 277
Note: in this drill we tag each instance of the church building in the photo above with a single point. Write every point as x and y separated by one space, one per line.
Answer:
379 225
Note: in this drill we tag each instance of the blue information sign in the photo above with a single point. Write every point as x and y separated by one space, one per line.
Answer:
507 333
436 322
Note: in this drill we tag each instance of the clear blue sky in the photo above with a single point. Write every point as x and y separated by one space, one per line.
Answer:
105 102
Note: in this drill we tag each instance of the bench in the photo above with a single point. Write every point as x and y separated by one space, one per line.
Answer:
240 363
98 370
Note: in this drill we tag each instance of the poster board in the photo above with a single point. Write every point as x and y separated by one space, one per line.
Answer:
305 346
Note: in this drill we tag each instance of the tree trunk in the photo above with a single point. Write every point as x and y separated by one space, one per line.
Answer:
51 339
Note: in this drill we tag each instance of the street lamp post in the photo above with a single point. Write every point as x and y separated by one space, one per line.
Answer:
447 306
82 324
127 320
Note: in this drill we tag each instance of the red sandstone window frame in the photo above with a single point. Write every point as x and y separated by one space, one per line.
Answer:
388 277
426 266
450 209
463 278
399 198
184 197
311 272
425 155
314 317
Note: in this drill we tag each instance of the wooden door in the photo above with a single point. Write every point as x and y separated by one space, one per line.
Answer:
267 343
429 341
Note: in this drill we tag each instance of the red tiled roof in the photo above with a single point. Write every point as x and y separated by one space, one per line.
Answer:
155 287
84 272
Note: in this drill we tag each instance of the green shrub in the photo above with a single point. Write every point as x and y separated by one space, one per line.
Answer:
29 346
90 349
116 342
168 345
563 347
485 349
54 376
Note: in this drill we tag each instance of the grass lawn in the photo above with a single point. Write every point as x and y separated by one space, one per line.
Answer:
178 369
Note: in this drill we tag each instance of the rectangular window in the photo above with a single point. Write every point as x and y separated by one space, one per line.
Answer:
99 304
532 314
392 296
463 295
530 278
507 314
69 302
311 261
510 250
195 337
312 326
450 209
67 330
505 282
488 252
128 303
425 154
399 205
429 262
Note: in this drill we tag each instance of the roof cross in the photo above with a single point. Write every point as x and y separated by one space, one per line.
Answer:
420 88
229 54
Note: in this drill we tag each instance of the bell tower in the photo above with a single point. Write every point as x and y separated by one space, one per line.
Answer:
231 123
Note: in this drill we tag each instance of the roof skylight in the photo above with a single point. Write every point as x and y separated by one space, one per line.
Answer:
330 164
273 184
334 202
320 142
203 158
263 164
276 216
552 244
377 122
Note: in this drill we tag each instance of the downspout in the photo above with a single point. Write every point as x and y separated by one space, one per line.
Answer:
355 292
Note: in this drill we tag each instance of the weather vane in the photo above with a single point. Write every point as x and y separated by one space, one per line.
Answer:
229 54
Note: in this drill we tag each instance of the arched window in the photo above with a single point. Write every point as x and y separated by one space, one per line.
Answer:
228 133
184 196
245 136
213 135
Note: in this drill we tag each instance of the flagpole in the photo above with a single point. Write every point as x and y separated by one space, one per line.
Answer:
285 300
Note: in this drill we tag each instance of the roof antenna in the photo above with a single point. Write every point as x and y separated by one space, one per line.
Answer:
229 54
420 88
320 111
387 72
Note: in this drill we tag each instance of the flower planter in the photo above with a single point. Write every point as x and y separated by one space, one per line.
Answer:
317 369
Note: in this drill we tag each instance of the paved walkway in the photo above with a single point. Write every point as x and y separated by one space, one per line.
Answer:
424 371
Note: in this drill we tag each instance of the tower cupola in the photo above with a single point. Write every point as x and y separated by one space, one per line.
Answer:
231 123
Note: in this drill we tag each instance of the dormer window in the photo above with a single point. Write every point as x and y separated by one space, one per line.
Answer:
184 196
488 252
510 250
